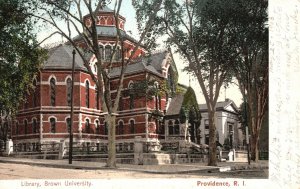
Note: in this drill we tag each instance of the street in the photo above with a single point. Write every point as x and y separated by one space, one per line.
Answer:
10 171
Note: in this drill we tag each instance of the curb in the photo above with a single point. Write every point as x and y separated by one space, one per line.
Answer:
205 170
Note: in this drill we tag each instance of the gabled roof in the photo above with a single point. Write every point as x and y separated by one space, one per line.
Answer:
111 31
157 59
106 9
61 57
221 106
186 99
175 105
151 64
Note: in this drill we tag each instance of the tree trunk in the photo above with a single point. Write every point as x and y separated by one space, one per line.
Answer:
254 148
212 158
111 160
256 127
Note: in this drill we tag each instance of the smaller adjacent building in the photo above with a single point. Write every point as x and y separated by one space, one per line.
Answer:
228 130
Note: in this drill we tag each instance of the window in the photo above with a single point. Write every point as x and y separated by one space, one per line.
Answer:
230 133
159 102
171 79
52 92
34 126
120 128
105 128
25 127
102 52
230 127
176 127
170 127
69 91
17 128
68 122
97 98
206 124
95 68
87 126
131 97
156 95
87 94
34 98
207 139
121 107
52 125
118 54
132 129
107 52
97 127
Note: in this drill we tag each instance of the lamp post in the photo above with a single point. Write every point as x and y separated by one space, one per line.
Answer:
72 111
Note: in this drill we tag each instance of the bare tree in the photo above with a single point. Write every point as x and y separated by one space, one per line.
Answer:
71 12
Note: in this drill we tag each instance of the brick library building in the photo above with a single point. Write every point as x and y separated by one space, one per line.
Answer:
44 118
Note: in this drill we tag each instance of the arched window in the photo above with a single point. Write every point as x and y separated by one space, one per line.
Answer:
121 103
120 128
34 126
102 52
159 102
25 126
156 95
68 123
52 91
97 127
17 128
34 98
171 79
95 68
105 128
170 127
176 127
52 125
107 52
69 91
131 96
118 54
87 126
87 94
97 98
132 129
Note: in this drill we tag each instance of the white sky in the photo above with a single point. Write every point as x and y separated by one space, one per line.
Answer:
128 12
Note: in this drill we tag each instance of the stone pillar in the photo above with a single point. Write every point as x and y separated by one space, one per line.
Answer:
61 149
9 147
231 155
138 151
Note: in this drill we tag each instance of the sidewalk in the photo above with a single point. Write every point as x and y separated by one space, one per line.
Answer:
158 169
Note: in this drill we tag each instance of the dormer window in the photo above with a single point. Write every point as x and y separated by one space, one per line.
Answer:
101 52
118 55
107 53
